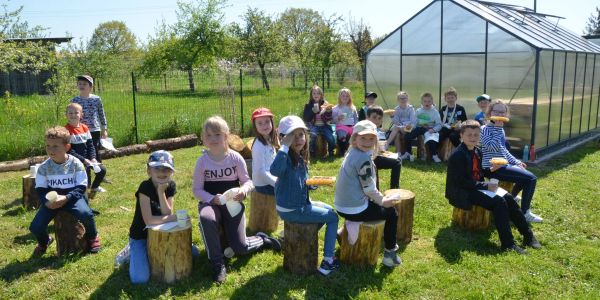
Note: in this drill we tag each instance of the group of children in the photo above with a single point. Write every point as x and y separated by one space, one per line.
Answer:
280 168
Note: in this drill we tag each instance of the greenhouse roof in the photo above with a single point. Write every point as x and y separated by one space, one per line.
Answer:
538 30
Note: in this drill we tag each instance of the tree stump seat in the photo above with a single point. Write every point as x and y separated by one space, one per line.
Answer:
405 209
478 218
445 149
321 147
365 251
263 214
31 201
70 234
300 247
170 253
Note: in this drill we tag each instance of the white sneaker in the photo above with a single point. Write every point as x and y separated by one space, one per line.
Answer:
404 156
436 159
411 157
532 218
99 190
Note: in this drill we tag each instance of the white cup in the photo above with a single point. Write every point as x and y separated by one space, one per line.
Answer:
51 196
228 252
32 171
344 116
494 182
182 217
96 167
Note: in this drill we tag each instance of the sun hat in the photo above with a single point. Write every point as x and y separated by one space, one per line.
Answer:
288 124
87 78
261 112
483 97
365 127
161 158
370 94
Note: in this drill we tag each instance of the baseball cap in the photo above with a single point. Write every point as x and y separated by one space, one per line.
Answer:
371 94
365 127
261 112
483 97
161 158
288 124
87 78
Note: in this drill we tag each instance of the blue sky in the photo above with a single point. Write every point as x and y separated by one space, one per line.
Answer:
79 18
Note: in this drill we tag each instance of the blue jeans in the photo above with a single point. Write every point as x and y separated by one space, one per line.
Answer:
523 180
265 189
326 132
310 213
139 265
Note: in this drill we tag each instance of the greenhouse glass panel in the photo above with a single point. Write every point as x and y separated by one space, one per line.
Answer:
587 94
579 77
422 33
568 97
383 77
465 73
463 31
421 73
500 41
543 101
389 46
595 94
556 101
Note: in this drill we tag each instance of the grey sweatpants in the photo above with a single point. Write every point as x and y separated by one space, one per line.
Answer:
214 216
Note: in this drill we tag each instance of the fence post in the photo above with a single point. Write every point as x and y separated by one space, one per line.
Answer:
133 89
323 77
241 104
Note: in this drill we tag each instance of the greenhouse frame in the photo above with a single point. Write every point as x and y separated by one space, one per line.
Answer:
549 76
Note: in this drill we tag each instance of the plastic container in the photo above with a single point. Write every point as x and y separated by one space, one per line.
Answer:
122 257
526 153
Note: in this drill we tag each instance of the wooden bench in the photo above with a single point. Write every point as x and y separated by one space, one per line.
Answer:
365 251
405 209
70 234
300 247
478 218
170 253
263 215
31 200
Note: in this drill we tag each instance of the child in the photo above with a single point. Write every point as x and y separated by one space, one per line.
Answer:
64 174
483 101
493 145
465 187
93 111
82 147
344 116
369 101
318 120
428 124
375 115
451 115
291 192
403 121
356 196
218 170
153 205
264 148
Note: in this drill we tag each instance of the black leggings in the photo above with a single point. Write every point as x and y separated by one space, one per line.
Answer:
383 163
96 141
374 212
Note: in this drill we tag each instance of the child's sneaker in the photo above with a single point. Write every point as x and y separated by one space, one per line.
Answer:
99 190
95 245
41 249
270 242
532 218
436 159
219 273
326 268
531 241
390 258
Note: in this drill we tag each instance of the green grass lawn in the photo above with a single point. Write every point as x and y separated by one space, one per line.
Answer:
442 261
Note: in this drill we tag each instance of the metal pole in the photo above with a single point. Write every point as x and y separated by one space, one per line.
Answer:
441 53
535 102
241 104
135 124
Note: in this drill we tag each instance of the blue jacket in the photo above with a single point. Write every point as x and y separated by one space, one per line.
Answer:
291 191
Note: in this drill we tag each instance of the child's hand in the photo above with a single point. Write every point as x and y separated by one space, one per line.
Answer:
87 162
388 202
216 200
104 133
162 187
340 118
287 140
239 196
523 165
60 201
431 130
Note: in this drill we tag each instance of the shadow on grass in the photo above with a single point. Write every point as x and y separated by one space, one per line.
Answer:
16 202
15 270
565 160
452 240
29 238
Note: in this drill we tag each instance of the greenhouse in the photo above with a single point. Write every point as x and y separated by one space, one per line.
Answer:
549 75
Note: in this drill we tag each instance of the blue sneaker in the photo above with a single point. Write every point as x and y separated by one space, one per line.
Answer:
326 268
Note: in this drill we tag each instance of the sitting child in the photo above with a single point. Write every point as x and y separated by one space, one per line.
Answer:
403 121
428 124
264 148
65 175
344 116
483 101
291 192
356 195
465 188
218 170
451 115
375 115
370 98
318 120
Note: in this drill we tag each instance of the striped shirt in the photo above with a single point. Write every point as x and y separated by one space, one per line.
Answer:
492 145
93 112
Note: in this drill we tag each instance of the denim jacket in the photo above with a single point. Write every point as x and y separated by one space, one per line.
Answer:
291 191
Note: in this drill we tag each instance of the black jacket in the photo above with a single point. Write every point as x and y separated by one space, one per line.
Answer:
459 115
459 179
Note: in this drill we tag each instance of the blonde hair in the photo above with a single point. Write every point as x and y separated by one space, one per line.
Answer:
488 111
375 147
346 90
216 124
451 91
58 132
402 93
75 105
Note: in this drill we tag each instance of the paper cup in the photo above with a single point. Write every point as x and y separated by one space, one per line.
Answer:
494 181
51 196
96 168
182 217
32 171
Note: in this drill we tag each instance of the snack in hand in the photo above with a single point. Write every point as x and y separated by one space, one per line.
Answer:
321 180
388 112
327 106
498 161
498 118
408 128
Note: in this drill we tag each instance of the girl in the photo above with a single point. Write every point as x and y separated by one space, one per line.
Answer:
428 123
493 141
357 198
218 170
344 116
318 120
291 192
154 205
264 148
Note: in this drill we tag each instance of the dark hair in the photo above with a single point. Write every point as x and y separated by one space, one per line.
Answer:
316 87
469 124
304 153
426 94
272 136
375 109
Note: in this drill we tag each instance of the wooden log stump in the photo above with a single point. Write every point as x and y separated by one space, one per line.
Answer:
422 150
30 197
185 141
445 149
14 165
170 253
405 209
399 142
478 218
321 148
124 151
508 186
249 166
367 247
70 234
249 144
237 144
300 247
263 215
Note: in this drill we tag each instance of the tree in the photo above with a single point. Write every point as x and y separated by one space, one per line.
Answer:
593 23
260 40
327 41
360 36
113 38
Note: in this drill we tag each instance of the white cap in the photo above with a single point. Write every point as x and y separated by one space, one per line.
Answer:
288 124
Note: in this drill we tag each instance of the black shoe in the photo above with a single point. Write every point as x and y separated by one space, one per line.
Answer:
219 273
95 212
270 242
516 249
531 241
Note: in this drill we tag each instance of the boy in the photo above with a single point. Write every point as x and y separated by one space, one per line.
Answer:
82 147
93 111
451 115
428 124
369 101
375 115
65 175
403 120
465 188
483 101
